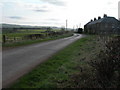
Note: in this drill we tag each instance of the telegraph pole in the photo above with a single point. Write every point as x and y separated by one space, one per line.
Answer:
80 25
119 10
66 24
77 26
73 28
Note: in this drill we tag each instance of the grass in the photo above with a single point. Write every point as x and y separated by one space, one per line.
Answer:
21 33
28 42
67 68
36 30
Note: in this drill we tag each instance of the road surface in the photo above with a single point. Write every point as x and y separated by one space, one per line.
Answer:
19 61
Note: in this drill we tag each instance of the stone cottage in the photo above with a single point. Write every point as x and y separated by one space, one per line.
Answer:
103 25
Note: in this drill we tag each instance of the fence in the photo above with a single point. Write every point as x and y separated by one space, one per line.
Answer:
8 39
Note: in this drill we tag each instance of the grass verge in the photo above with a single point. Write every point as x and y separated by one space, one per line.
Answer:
68 68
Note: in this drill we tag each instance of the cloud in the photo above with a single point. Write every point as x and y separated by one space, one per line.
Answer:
36 7
15 17
55 2
42 22
40 10
51 23
52 19
27 6
109 3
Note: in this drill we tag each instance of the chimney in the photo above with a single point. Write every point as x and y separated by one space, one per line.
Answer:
99 18
105 15
95 19
91 20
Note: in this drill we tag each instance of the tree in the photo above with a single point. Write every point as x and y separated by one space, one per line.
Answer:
80 30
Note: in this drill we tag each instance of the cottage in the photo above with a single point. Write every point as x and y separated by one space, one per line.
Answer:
103 25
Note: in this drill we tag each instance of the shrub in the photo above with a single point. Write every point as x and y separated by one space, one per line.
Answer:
107 64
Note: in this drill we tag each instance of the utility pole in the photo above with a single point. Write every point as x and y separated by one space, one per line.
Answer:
79 25
66 24
73 28
119 10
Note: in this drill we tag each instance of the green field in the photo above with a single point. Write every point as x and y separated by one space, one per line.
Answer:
20 37
69 68
36 30
21 33
31 30
28 42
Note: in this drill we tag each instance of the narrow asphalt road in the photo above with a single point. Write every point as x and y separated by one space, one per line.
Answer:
19 61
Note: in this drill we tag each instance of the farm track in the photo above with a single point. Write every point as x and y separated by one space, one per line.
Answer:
19 61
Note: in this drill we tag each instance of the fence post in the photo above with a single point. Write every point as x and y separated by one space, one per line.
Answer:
4 38
14 39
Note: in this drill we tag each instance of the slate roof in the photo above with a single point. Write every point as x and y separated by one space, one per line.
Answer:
105 20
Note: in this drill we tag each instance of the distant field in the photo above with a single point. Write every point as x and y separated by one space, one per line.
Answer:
21 33
35 30
18 38
32 30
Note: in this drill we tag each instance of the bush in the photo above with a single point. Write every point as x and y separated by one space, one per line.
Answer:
107 64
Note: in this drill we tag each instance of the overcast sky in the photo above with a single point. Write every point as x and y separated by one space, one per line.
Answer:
55 12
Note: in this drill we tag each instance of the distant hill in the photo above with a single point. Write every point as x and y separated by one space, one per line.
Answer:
18 26
10 26
24 26
14 27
